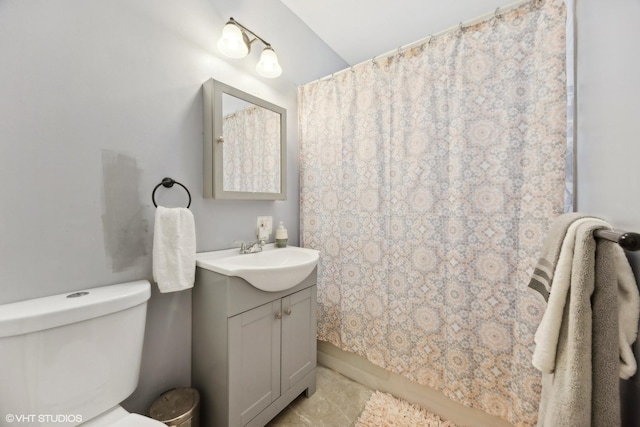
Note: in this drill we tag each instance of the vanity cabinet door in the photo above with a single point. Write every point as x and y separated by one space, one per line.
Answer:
254 361
298 336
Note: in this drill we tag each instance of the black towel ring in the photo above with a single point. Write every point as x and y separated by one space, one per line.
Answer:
168 183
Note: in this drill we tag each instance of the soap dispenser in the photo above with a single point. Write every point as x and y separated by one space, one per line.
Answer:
281 236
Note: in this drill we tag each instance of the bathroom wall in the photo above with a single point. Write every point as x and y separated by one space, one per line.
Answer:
98 102
608 146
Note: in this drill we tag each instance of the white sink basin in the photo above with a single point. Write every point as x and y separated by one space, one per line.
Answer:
272 270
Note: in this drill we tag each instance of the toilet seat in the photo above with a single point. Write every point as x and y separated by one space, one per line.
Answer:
135 420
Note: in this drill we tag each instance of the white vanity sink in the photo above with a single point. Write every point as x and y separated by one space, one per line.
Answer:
272 270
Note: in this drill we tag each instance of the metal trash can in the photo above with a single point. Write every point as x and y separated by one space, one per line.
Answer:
177 407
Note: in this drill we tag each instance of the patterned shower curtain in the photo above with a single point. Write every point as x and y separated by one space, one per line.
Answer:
251 167
428 180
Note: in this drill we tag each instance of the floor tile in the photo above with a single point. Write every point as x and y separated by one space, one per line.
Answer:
337 402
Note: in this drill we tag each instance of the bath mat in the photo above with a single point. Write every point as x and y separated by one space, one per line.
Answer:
384 410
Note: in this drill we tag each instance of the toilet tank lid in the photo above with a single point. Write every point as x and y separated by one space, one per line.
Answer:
49 312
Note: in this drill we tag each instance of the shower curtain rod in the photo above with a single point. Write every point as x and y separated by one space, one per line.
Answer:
495 14
628 241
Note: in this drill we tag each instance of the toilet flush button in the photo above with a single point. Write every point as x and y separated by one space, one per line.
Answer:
77 294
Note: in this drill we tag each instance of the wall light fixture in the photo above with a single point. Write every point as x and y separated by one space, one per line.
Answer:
235 43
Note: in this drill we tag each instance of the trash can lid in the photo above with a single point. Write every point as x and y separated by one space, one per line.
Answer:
175 405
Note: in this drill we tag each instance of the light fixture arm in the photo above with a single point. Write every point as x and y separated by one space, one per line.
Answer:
246 30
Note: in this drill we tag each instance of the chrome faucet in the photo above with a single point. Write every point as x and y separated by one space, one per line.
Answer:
251 248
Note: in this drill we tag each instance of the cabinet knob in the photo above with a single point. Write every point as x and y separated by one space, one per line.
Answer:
220 139
279 315
288 311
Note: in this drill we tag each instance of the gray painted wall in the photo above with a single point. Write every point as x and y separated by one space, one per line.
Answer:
608 130
98 102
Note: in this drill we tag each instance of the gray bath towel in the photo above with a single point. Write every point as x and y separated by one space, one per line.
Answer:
584 339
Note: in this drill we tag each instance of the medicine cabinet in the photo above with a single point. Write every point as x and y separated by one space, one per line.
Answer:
244 145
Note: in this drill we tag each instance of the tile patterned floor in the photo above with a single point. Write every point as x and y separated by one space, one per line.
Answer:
337 402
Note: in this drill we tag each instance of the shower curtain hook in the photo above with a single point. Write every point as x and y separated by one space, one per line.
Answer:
461 27
496 13
430 38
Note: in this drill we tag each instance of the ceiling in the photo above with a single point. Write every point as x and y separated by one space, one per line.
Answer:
358 30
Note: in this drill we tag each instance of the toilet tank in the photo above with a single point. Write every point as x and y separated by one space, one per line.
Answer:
67 358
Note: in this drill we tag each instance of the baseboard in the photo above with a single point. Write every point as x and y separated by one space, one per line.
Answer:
364 372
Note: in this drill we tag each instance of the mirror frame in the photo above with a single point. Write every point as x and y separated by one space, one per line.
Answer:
213 185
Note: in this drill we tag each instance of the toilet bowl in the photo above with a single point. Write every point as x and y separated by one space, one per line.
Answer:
70 359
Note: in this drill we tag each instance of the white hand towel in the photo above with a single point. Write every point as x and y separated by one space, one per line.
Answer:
174 249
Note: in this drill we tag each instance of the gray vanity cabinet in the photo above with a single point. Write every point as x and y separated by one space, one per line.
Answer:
254 362
253 352
298 336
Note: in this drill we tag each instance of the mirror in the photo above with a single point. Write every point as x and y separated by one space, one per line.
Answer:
244 145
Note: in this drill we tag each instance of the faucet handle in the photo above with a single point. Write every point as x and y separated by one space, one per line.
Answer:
241 244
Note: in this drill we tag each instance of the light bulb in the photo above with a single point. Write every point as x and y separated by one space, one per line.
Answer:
234 42
268 65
